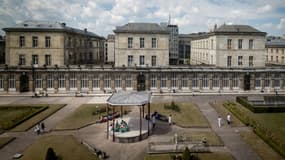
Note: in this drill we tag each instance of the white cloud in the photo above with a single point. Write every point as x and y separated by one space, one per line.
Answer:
281 24
264 9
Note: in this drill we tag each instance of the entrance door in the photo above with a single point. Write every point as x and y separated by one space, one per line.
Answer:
247 82
24 83
141 82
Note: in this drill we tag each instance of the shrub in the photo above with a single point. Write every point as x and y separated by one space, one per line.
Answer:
186 154
50 154
172 106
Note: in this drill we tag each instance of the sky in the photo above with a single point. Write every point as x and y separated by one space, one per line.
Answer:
102 16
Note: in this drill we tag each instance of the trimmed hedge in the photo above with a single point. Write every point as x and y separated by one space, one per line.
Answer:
259 109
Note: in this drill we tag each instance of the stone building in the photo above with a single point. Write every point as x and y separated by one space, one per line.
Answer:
233 46
275 50
2 50
110 49
44 43
141 44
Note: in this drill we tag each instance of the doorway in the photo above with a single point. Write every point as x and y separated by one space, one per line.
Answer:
247 82
141 82
24 83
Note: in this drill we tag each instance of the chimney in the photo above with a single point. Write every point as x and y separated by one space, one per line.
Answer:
85 29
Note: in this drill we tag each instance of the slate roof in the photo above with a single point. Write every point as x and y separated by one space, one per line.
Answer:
276 42
35 25
236 28
129 98
141 28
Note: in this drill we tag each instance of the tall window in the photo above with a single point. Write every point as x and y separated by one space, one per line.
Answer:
22 60
276 82
38 81
96 82
235 81
35 59
22 41
117 81
107 81
130 60
240 44
184 81
205 82
130 42
250 61
50 81
229 61
84 81
195 81
257 81
47 42
267 80
250 44
212 44
1 82
173 81
61 81
229 44
163 81
277 59
129 81
153 80
282 59
73 81
216 81
35 41
153 43
12 82
141 42
240 60
47 60
141 60
225 81
153 60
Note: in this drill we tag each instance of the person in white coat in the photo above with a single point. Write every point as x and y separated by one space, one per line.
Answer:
220 121
170 119
229 119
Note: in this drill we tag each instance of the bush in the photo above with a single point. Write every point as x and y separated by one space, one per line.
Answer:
50 154
186 154
172 106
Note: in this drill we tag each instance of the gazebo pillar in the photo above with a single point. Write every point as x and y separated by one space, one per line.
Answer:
140 123
113 125
143 111
122 112
107 110
148 115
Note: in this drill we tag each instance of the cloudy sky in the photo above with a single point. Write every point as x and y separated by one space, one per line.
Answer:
101 16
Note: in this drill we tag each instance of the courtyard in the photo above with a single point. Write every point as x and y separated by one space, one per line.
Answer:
71 129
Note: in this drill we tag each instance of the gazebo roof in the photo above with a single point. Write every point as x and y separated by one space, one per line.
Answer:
129 98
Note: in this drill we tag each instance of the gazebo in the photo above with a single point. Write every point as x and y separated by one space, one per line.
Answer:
120 99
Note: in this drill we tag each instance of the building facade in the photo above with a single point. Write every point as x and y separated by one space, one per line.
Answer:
44 43
141 44
110 49
173 44
233 46
2 50
275 50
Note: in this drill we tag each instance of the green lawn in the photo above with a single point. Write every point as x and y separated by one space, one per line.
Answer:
201 156
189 115
260 147
66 147
212 138
10 116
52 108
5 140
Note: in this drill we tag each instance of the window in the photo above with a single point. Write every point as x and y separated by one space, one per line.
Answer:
73 81
195 81
1 82
229 44
266 58
141 42
184 81
225 81
282 59
153 80
212 44
240 60
130 60
250 45
129 81
38 81
22 60
47 60
84 81
11 82
173 81
50 81
153 60
271 58
35 41
276 82
117 81
229 61
216 81
240 44
276 50
250 61
153 43
35 59
163 81
130 42
257 81
96 82
235 81
267 81
141 60
107 81
47 42
22 41
276 58
61 81
205 82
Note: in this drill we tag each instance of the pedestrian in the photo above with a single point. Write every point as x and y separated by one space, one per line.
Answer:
170 120
153 121
220 121
43 127
37 129
229 119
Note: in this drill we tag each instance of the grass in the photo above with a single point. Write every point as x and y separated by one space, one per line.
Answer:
10 116
223 112
260 147
201 156
64 146
212 138
189 115
52 108
83 116
5 140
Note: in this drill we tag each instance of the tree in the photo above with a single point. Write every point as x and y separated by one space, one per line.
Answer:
186 154
50 154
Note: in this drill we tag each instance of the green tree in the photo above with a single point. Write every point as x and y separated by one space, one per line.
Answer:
186 154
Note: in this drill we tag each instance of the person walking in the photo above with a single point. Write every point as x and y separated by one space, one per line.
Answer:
220 121
170 119
153 121
37 129
43 127
229 119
